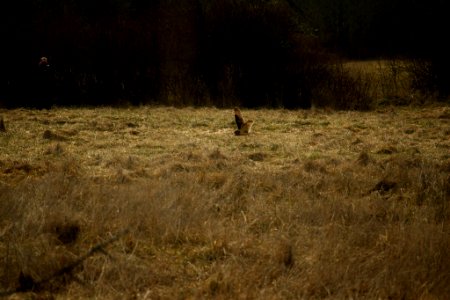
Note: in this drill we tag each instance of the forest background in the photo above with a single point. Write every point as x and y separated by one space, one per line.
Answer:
216 53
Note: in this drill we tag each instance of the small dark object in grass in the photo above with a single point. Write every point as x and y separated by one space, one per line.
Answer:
67 233
387 150
384 186
363 159
26 283
2 125
287 257
48 135
257 156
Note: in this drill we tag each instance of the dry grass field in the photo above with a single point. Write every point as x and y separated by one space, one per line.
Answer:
384 80
166 203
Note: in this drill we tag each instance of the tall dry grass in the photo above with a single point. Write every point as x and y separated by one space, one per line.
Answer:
365 85
314 204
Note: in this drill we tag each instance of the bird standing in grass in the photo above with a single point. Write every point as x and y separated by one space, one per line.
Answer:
244 128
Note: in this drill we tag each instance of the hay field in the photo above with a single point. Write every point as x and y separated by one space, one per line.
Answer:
385 81
166 203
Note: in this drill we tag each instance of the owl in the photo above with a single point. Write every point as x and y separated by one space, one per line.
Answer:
244 128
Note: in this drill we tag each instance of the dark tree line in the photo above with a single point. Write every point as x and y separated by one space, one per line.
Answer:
416 30
203 52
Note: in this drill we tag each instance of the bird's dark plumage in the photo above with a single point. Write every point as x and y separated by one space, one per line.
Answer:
238 118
